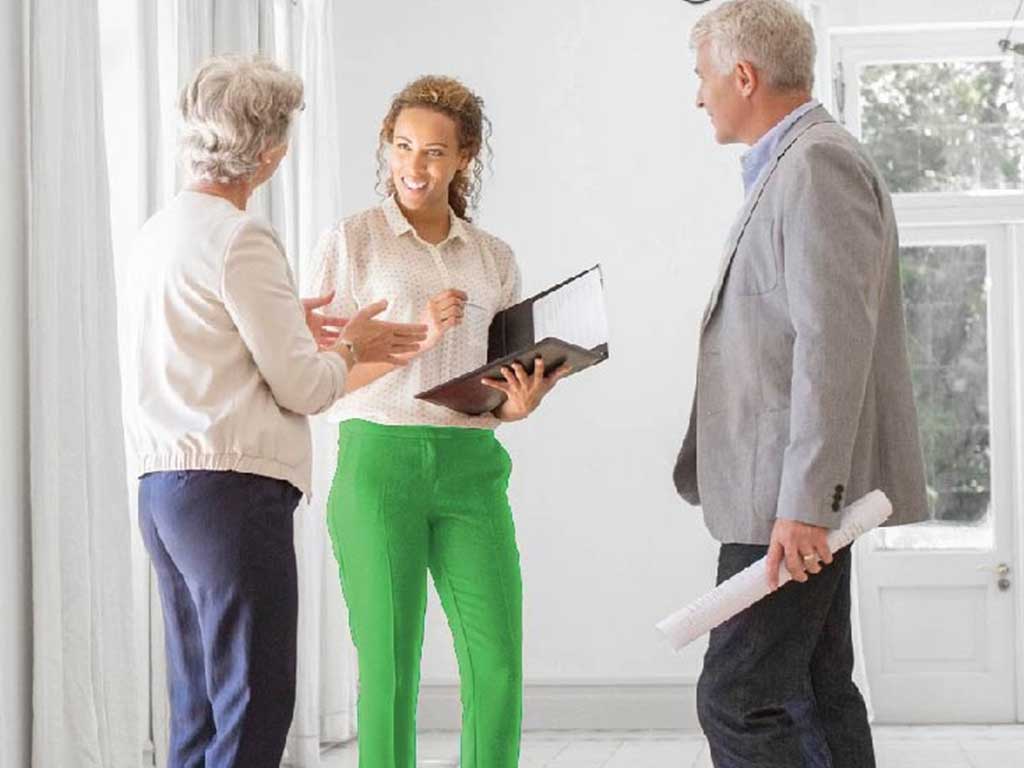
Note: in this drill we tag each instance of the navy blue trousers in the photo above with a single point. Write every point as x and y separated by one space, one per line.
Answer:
777 686
222 547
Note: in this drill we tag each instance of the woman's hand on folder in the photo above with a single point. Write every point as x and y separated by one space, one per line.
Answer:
524 391
442 313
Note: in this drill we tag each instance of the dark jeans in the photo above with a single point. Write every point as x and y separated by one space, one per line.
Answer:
221 544
777 688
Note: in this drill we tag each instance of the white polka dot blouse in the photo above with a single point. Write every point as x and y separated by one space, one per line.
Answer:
376 254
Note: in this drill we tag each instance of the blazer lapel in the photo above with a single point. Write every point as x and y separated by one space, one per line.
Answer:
816 116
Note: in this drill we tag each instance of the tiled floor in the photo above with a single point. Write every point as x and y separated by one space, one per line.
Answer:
897 747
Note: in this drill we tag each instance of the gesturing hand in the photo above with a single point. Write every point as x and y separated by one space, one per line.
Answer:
375 341
326 329
442 313
803 547
524 391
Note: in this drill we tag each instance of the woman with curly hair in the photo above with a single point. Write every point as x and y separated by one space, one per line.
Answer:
419 487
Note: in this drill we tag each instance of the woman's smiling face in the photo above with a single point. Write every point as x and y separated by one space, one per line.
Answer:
424 158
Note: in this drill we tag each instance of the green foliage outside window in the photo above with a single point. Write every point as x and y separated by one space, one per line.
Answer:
947 127
944 127
946 311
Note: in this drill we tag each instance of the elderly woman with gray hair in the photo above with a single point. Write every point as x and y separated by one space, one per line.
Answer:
226 362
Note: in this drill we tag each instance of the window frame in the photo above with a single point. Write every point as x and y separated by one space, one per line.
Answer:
957 213
853 47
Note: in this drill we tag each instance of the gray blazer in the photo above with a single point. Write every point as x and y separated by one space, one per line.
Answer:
803 398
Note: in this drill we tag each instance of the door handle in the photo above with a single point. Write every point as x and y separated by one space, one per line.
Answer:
1002 571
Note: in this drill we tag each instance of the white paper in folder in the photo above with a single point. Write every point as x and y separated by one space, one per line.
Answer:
574 313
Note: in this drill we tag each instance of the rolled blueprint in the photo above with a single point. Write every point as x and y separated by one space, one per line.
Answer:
751 584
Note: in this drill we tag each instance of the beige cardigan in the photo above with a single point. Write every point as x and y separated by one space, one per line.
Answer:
221 368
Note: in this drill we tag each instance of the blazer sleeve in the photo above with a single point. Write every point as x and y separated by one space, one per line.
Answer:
833 249
259 294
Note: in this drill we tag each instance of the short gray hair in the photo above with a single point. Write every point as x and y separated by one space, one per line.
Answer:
770 34
232 109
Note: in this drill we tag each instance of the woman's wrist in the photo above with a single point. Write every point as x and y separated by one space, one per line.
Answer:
501 413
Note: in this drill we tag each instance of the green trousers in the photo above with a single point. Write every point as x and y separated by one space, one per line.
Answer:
406 500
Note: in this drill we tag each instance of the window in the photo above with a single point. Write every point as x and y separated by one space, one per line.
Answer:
941 112
946 304
950 126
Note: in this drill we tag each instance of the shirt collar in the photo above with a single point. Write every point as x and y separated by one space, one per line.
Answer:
758 156
400 225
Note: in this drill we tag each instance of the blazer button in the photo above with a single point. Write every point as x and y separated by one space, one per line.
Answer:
840 489
836 506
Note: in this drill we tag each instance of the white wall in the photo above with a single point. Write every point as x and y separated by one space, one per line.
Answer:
875 12
15 619
600 156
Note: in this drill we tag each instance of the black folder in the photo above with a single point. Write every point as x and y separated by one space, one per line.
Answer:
511 339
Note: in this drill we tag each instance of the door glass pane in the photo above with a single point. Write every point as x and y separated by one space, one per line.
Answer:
945 296
944 126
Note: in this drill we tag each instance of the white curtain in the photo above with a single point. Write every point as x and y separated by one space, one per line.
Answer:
311 190
15 576
302 199
84 712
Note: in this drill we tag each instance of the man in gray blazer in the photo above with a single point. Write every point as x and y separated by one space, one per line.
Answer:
803 397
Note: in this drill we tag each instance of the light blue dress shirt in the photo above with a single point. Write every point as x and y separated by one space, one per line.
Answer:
757 157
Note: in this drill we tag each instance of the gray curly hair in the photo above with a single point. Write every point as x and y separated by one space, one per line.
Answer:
233 108
770 34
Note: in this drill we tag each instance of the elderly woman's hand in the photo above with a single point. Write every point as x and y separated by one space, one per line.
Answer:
326 329
523 390
376 341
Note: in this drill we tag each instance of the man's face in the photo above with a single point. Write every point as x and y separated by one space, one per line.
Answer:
721 96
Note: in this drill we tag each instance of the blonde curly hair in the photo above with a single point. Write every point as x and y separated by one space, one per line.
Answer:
449 97
232 109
